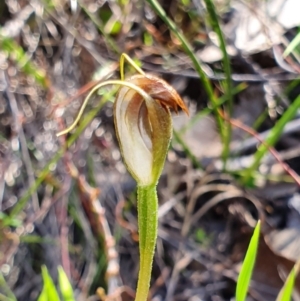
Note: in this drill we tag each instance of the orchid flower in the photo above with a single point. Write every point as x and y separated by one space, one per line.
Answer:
143 126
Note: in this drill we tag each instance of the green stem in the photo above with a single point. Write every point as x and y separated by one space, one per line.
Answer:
214 21
148 222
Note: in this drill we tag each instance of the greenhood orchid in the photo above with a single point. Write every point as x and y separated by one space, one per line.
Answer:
143 126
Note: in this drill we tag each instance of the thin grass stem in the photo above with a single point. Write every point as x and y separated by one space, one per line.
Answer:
189 50
272 138
214 22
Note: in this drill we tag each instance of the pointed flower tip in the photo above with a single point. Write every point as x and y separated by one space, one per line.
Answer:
163 92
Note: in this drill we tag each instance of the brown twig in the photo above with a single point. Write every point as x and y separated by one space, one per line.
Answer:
123 223
96 213
64 232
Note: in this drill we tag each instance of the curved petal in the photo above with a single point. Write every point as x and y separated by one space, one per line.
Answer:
136 154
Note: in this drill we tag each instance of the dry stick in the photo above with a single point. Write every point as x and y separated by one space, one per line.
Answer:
160 281
101 227
275 154
10 242
125 224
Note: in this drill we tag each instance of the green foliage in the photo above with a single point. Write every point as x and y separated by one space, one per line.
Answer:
177 134
248 265
214 22
185 2
195 60
17 54
50 293
115 28
272 139
202 237
6 220
286 292
292 46
65 286
148 40
6 294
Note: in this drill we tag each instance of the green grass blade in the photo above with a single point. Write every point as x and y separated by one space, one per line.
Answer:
23 61
4 298
43 296
49 292
286 292
220 101
194 119
65 285
272 138
6 290
214 22
189 50
291 47
247 266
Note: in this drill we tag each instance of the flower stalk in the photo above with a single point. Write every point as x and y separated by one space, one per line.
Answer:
143 127
148 224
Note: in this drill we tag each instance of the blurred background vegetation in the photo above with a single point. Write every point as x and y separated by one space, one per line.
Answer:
68 202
